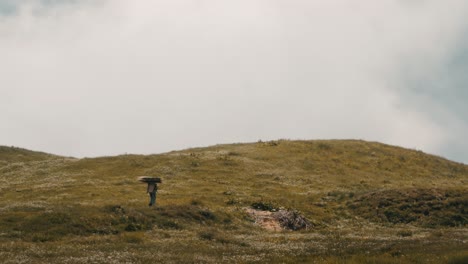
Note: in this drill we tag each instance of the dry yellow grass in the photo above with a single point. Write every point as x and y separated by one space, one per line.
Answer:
66 210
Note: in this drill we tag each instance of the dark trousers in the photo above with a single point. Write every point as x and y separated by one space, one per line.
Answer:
152 198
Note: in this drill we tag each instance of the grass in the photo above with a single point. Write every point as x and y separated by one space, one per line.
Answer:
368 202
15 154
428 207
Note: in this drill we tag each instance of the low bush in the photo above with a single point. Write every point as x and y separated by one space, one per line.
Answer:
264 206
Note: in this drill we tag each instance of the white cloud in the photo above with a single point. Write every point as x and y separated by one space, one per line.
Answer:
107 77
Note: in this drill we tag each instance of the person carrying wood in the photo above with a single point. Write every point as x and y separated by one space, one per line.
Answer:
152 188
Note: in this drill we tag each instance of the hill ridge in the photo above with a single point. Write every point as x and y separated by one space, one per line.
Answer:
18 154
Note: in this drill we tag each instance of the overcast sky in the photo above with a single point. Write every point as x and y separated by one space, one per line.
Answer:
106 77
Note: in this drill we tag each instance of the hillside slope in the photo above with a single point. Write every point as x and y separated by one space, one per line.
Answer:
363 200
15 154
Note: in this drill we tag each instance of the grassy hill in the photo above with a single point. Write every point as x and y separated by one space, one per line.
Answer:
364 202
15 154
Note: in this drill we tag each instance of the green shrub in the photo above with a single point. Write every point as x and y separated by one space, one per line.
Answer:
132 227
264 206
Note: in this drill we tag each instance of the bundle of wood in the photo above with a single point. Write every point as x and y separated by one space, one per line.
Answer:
149 179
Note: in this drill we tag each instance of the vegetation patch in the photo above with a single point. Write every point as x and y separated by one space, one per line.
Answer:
15 154
213 234
425 207
41 226
187 212
460 259
264 206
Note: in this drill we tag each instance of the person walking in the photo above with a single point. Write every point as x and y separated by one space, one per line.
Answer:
152 190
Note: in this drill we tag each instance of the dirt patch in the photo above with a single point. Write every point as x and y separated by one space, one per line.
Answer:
279 220
264 219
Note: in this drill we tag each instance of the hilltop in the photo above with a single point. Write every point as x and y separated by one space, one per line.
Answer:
361 201
15 154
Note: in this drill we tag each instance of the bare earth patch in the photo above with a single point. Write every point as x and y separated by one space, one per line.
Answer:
264 219
278 220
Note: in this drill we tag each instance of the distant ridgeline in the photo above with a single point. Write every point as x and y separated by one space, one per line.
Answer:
15 154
